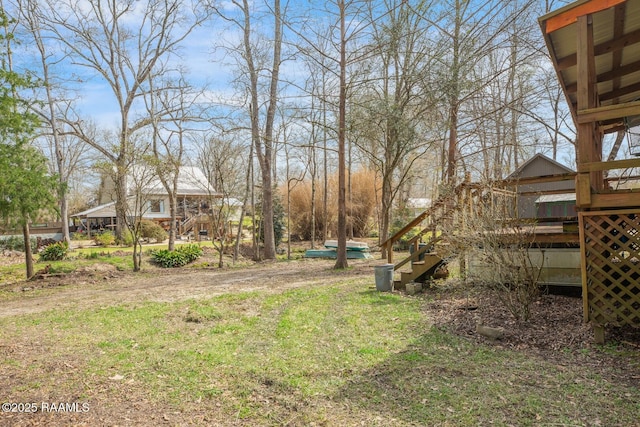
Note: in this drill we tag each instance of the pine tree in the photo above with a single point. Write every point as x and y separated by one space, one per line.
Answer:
26 188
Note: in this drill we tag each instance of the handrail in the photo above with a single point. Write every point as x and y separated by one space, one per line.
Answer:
463 198
416 254
404 230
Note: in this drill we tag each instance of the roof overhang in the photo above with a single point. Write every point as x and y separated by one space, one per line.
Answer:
616 53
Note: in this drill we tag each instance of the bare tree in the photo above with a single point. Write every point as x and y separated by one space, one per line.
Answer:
391 115
140 176
334 49
321 85
65 152
171 113
293 174
124 43
255 65
221 161
469 31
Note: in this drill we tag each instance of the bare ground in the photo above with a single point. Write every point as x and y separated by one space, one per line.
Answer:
103 285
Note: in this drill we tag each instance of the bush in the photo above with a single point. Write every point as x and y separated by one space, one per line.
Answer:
127 238
105 238
54 252
152 231
79 236
180 257
16 243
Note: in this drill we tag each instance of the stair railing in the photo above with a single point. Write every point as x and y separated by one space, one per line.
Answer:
450 208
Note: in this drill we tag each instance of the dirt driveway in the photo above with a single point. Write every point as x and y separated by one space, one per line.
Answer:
103 285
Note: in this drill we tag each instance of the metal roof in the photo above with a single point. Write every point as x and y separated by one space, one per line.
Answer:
552 198
102 211
191 182
616 41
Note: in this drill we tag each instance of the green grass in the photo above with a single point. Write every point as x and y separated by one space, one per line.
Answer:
334 355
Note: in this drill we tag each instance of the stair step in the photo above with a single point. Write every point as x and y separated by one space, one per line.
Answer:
420 268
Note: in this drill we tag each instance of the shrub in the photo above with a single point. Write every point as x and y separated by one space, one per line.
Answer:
180 257
127 237
152 231
78 235
105 238
54 252
15 243
504 255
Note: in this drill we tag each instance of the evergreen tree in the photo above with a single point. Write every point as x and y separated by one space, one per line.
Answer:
26 188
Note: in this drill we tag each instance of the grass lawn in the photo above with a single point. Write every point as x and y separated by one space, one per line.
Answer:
319 355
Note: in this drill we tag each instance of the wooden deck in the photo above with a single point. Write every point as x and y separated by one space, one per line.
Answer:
589 41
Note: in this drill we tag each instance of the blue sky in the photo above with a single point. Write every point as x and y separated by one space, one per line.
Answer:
205 65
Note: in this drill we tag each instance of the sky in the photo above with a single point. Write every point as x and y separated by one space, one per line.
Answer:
206 65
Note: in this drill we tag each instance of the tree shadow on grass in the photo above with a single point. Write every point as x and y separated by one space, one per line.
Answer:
442 379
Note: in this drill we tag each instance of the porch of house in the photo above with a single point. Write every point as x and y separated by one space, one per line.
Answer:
595 50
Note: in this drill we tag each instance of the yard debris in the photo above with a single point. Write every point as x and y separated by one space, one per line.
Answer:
489 332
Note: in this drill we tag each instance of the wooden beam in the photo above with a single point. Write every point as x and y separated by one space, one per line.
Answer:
615 73
604 166
612 126
417 220
570 16
621 91
618 31
617 111
566 238
601 49
545 192
583 191
583 269
616 200
589 139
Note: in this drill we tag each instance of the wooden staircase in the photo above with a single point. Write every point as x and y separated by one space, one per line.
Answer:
445 216
421 270
189 223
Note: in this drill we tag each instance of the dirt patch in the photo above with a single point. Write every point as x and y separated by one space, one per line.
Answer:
102 285
11 258
556 330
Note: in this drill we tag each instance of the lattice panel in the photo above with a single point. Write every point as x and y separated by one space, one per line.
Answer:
611 243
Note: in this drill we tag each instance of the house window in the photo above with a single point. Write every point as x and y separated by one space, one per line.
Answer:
156 206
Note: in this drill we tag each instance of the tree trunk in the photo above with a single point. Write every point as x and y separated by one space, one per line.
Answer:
267 216
454 98
341 260
386 211
137 251
28 253
266 157
247 191
121 206
173 214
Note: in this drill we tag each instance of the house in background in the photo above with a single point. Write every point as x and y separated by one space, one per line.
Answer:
194 194
559 199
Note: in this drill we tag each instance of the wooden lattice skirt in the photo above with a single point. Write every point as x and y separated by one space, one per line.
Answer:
610 249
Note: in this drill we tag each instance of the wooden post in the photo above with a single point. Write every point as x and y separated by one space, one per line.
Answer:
589 141
589 144
598 334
